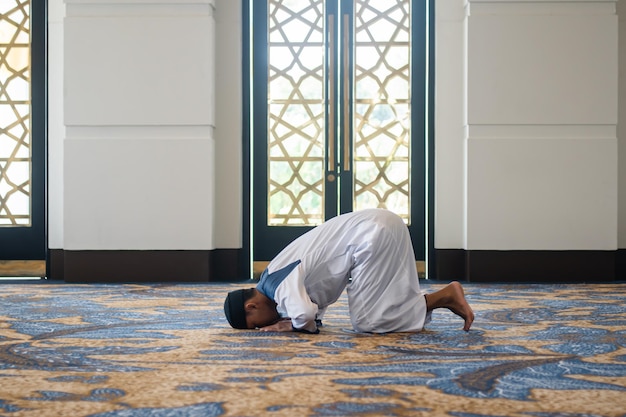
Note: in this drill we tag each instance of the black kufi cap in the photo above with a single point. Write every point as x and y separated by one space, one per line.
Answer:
234 309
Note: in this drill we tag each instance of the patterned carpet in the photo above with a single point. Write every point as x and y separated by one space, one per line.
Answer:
166 350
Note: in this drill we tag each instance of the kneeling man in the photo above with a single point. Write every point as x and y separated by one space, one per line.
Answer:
368 253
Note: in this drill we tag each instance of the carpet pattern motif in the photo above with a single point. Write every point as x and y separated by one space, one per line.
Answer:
166 350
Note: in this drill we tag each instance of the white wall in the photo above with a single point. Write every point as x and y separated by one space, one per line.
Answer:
450 123
527 106
228 125
56 127
133 164
621 127
145 153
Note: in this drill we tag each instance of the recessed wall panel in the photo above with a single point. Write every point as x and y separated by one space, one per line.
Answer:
129 193
542 193
139 70
542 69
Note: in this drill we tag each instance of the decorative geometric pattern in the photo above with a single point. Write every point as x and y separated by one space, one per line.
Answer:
296 107
15 143
382 95
166 350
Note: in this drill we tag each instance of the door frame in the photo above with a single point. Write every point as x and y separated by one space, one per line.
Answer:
427 153
21 243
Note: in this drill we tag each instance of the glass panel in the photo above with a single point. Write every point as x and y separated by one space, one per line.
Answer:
15 143
296 103
382 109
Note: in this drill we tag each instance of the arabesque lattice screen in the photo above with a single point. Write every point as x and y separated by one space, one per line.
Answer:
15 113
296 109
302 96
382 105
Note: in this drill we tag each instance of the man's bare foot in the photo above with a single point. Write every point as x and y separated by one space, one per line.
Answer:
452 297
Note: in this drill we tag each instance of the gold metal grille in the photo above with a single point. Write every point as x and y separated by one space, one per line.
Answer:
380 133
382 92
15 109
296 106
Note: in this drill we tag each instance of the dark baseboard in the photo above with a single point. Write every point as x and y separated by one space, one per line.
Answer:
55 264
620 265
108 266
230 265
449 264
528 266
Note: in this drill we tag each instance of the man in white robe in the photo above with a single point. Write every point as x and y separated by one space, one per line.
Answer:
368 253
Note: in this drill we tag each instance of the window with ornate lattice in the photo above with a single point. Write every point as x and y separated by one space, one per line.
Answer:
22 130
338 110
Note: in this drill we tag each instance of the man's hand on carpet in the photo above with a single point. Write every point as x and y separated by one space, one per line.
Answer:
280 326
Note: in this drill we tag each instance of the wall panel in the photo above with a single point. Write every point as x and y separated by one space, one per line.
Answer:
139 65
541 194
125 193
541 162
139 113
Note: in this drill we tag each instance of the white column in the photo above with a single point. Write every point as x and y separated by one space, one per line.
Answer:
450 122
228 125
139 162
541 145
621 131
56 127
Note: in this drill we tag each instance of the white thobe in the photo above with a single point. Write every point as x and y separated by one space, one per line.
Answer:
369 252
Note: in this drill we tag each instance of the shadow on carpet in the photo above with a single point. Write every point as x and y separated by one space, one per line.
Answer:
166 350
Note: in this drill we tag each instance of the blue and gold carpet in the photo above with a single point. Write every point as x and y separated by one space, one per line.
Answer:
166 350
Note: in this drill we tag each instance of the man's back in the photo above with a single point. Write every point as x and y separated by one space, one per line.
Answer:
327 253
